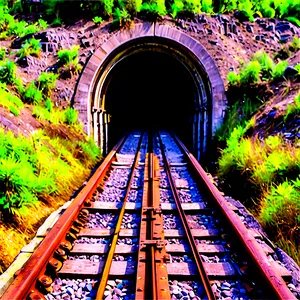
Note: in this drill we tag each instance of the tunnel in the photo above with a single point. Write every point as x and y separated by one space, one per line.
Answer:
151 77
150 90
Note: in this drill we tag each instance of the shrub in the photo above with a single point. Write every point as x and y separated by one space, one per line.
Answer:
46 82
68 60
49 105
234 78
71 115
121 17
108 6
207 6
18 185
177 7
12 102
280 209
31 47
97 20
32 94
2 53
192 6
90 149
154 9
7 71
295 44
246 7
42 24
132 6
278 70
251 73
67 56
265 62
293 109
297 68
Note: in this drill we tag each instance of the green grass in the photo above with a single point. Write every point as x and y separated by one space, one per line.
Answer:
10 101
32 168
293 110
46 83
7 71
30 47
68 60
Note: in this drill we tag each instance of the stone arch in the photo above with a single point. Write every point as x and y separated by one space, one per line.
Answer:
89 98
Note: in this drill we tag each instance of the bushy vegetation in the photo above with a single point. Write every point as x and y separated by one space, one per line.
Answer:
9 26
268 172
30 170
56 11
7 71
68 60
12 102
30 47
260 68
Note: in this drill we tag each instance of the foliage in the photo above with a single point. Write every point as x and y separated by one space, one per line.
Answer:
32 94
68 60
154 9
89 149
49 105
265 62
121 17
237 115
2 53
293 109
207 6
295 44
31 47
251 73
46 82
33 168
97 20
280 208
279 69
12 102
108 6
7 71
233 78
297 68
71 116
177 7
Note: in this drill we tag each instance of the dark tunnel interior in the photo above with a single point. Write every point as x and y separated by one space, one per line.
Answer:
150 90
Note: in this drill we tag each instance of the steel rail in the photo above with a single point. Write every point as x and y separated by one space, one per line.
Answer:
25 282
189 235
141 276
160 284
272 278
152 276
106 270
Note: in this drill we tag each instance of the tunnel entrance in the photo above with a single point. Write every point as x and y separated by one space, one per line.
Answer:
151 76
150 90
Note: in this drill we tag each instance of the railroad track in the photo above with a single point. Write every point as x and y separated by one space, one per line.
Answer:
149 224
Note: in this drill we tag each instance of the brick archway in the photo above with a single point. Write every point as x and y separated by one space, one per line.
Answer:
89 98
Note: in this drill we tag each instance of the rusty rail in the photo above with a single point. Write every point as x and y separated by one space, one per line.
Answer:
256 253
105 272
152 278
32 275
189 235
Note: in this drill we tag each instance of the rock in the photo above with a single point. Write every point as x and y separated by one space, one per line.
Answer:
85 43
249 28
290 72
284 38
213 42
23 62
282 26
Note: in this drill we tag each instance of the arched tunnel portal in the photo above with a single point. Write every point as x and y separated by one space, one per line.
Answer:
151 77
